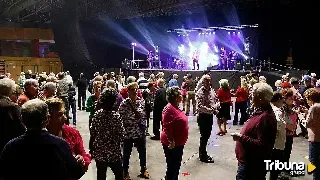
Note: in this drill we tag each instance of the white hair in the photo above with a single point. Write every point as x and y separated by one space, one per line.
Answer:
263 90
313 75
262 79
278 83
29 82
7 87
131 79
141 74
224 82
318 83
175 76
50 86
34 113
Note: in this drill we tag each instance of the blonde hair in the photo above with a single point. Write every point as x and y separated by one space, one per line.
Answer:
98 78
132 85
55 104
96 84
224 83
278 83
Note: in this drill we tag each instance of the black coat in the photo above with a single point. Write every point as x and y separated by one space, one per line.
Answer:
39 155
10 123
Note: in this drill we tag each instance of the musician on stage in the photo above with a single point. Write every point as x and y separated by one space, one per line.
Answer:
224 59
150 59
195 59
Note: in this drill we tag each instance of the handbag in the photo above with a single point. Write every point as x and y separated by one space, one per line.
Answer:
142 123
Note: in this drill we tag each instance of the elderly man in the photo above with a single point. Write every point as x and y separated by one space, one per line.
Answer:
49 90
160 101
30 91
50 156
173 81
10 124
142 81
62 92
206 98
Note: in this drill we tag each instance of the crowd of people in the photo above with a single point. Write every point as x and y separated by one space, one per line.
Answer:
36 127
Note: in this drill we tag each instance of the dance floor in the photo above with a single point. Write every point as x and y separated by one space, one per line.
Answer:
221 148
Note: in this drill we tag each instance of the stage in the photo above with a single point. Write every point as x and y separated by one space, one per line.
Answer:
232 75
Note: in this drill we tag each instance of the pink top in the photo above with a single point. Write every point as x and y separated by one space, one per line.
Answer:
183 91
313 124
294 119
174 126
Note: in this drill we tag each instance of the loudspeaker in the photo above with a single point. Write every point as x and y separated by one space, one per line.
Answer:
215 67
247 67
238 66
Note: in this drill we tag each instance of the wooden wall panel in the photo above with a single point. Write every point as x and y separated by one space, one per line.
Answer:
15 65
25 34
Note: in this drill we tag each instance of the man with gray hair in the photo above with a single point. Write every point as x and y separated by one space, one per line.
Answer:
49 90
142 81
10 124
174 81
48 154
30 91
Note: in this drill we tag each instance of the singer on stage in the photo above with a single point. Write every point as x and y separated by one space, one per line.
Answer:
195 59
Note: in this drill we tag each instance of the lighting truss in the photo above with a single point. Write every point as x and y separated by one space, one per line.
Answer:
185 31
40 10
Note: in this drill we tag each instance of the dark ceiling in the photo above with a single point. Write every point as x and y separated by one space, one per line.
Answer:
41 11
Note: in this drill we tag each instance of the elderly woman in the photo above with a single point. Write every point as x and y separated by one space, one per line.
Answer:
30 91
224 96
313 99
132 112
16 93
92 100
278 86
11 126
107 134
58 128
242 97
124 91
256 141
278 150
174 133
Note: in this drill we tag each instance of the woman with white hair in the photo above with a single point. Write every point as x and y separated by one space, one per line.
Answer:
224 96
262 79
278 85
256 141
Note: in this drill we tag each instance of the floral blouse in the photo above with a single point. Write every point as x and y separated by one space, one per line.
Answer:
134 124
108 133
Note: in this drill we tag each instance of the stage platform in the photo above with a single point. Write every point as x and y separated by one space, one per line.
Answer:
232 75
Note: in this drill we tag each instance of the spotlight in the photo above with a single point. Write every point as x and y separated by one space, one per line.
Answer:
239 32
214 32
234 32
229 33
134 44
199 33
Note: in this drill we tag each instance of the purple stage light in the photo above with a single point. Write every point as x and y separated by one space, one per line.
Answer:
229 33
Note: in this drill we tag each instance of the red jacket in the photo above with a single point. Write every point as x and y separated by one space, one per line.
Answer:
74 139
174 126
124 93
258 138
224 96
242 95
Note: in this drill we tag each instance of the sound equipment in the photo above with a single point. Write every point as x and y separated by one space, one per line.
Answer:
247 67
215 67
238 66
